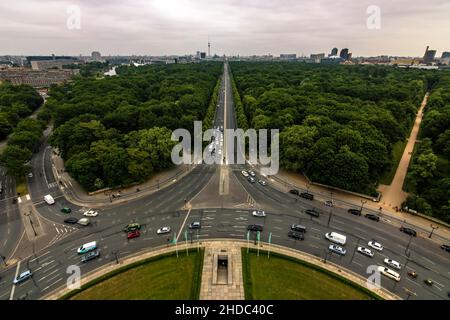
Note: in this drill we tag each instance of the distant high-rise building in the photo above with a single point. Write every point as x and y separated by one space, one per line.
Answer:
202 55
445 54
344 54
429 55
288 56
334 52
95 55
317 57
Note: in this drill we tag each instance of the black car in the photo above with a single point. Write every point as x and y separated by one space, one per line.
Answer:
296 235
195 225
255 227
90 256
445 247
307 195
293 191
298 228
356 212
71 220
409 231
312 212
373 217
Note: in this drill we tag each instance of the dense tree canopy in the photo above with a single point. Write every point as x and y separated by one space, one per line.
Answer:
116 131
338 124
428 179
16 103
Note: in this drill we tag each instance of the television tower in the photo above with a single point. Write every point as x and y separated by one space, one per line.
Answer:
209 48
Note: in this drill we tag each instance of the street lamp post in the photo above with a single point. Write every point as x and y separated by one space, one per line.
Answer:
432 230
409 293
3 260
363 202
115 253
407 247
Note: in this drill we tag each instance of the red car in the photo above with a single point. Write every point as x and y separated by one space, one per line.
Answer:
133 234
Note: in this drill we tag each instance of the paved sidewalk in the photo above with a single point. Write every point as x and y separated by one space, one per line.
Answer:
222 286
393 195
75 193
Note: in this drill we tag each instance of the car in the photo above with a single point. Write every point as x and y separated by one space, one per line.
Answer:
293 191
84 221
133 234
412 274
255 227
337 249
365 251
30 175
296 235
22 277
392 263
262 182
389 273
71 220
307 195
251 179
163 230
132 227
428 282
259 213
445 247
90 256
66 210
312 212
372 216
252 173
375 245
408 231
90 213
328 203
298 228
356 212
195 225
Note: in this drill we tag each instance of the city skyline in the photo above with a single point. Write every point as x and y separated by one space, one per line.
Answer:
233 27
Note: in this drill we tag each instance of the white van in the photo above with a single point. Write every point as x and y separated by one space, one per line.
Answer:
87 247
336 238
389 273
84 221
49 199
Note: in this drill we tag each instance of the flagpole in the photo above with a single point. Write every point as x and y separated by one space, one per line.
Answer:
259 238
270 242
198 242
176 242
185 238
248 241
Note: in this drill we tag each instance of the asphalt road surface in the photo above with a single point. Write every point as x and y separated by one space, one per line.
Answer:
167 208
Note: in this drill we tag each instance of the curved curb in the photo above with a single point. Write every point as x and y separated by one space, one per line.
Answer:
145 254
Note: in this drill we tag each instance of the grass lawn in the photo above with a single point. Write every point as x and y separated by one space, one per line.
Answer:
158 278
285 278
397 152
21 186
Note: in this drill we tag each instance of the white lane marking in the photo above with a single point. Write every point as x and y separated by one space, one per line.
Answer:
314 246
426 259
209 210
381 238
338 222
11 296
359 264
184 222
315 229
413 281
56 275
52 284
46 276
278 228
359 229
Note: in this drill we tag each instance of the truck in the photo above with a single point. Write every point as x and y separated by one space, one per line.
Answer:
336 238
87 247
49 199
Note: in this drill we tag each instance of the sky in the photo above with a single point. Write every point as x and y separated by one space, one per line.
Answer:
244 27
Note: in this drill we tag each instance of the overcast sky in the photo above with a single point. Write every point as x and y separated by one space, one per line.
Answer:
243 27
